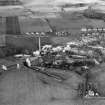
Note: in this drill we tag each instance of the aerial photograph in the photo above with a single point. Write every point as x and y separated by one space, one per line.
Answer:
52 52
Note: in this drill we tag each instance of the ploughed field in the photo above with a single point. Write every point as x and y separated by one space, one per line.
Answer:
25 86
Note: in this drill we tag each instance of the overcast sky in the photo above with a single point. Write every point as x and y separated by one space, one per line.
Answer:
35 3
52 6
59 2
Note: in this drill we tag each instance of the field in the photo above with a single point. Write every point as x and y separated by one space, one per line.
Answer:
69 22
27 87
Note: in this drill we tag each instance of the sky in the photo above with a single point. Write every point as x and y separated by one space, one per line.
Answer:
33 4
59 2
51 6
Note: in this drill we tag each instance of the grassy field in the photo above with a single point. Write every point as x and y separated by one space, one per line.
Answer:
70 22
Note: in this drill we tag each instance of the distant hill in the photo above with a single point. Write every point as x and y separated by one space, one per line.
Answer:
93 14
70 22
